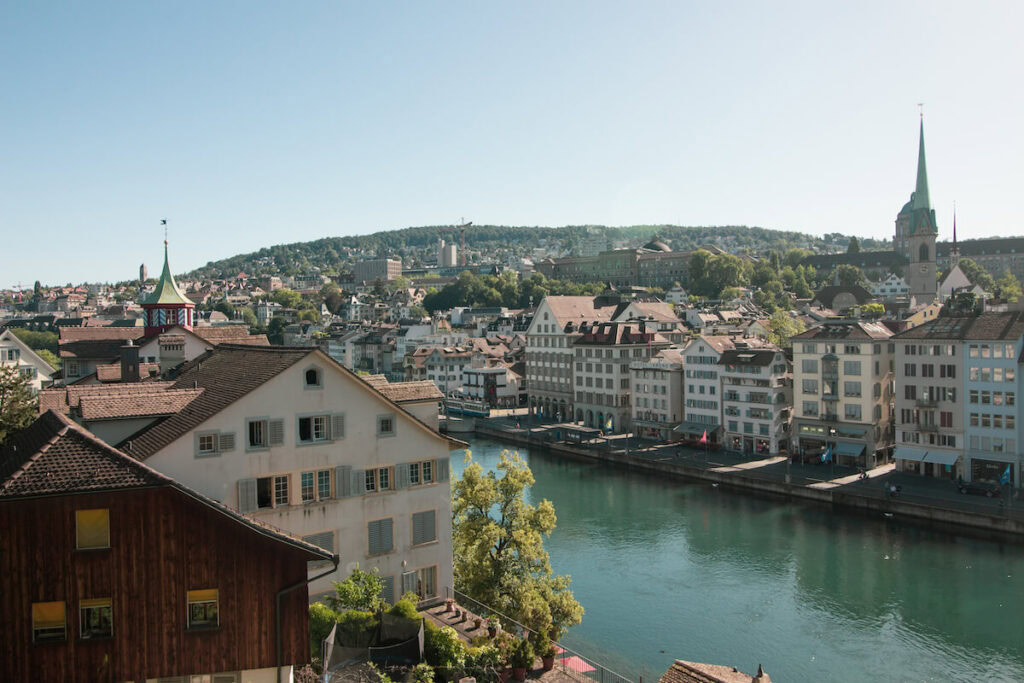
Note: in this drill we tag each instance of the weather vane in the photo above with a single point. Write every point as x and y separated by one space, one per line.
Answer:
163 222
920 109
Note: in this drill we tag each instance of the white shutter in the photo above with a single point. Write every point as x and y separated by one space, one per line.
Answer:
402 475
276 432
342 481
408 582
338 426
246 495
442 470
358 480
226 442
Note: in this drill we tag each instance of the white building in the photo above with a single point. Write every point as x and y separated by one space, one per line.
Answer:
292 438
657 395
757 398
14 352
892 286
702 387
498 386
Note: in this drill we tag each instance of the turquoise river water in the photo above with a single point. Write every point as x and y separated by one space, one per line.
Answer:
668 569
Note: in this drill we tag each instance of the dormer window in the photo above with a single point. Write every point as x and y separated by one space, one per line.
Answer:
313 378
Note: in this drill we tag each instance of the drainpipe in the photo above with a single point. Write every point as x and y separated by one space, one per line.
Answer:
277 609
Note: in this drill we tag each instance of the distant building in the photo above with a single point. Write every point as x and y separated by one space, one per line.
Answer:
657 386
16 353
757 398
696 672
447 254
653 265
377 269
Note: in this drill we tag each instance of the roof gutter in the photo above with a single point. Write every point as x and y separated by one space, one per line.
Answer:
277 606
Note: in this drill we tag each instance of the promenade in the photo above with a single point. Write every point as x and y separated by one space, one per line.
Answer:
920 499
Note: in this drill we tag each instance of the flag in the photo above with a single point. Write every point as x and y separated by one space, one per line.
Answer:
827 455
704 438
1005 479
608 423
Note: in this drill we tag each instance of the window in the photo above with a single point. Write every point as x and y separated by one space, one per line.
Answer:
204 608
312 377
810 386
809 365
945 419
424 528
313 429
853 411
974 419
207 444
927 370
72 368
96 618
426 583
385 425
383 478
280 490
810 409
257 434
323 484
380 536
851 367
307 487
851 388
92 529
49 622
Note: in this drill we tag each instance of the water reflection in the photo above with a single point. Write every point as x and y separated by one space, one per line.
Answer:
714 575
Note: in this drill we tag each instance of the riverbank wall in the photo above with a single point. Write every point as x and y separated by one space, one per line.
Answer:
930 515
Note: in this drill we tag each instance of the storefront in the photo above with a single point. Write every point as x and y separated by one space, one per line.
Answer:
931 463
991 471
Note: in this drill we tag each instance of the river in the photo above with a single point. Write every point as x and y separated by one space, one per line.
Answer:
672 570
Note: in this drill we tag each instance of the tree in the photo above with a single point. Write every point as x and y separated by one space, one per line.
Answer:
498 541
225 307
360 591
17 402
249 317
854 246
288 298
848 276
275 330
977 274
37 340
50 357
782 326
1008 287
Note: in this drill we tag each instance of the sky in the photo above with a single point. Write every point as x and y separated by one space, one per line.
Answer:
249 124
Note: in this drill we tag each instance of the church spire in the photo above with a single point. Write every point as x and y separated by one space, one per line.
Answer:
921 199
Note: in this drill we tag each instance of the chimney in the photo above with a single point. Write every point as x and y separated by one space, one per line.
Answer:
130 362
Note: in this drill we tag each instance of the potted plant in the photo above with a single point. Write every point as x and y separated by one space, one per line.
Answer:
476 622
449 604
492 626
547 655
521 659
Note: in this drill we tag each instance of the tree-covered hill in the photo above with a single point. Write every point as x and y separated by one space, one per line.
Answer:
417 246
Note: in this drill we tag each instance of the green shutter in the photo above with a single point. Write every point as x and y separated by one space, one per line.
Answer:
387 539
373 531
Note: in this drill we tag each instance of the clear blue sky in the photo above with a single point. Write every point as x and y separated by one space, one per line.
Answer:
248 124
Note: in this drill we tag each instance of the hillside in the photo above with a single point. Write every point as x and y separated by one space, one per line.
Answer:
490 243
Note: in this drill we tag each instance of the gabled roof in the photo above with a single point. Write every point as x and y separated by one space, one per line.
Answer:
55 456
25 349
984 327
63 399
577 309
112 371
137 404
235 334
846 329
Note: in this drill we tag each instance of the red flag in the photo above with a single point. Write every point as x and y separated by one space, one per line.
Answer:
704 438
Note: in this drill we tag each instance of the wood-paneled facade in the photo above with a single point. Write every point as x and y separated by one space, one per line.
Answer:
163 543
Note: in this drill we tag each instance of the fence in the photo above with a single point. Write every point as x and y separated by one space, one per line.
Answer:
568 661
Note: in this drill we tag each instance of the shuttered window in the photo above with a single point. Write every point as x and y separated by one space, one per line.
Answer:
92 529
247 495
423 527
258 434
324 539
387 590
96 618
226 441
338 426
442 469
381 536
276 428
49 621
342 481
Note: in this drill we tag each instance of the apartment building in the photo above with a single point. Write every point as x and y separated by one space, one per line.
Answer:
377 269
657 394
843 392
702 387
549 354
957 408
603 353
757 396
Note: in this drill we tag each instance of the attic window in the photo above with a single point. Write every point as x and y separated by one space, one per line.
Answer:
312 377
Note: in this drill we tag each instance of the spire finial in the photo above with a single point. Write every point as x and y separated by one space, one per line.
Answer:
163 222
921 199
920 109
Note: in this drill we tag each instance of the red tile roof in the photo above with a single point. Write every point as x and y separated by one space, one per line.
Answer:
169 402
112 371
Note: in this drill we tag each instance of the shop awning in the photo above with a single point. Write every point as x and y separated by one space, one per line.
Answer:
696 428
849 449
917 455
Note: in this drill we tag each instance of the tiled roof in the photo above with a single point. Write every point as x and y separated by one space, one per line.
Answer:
77 334
719 342
577 309
100 407
227 373
63 399
695 672
235 334
851 329
112 371
406 392
54 456
986 326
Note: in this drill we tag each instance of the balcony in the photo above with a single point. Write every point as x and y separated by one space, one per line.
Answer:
829 417
925 403
830 397
830 375
928 427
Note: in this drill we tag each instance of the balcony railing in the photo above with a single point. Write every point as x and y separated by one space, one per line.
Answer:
928 427
926 403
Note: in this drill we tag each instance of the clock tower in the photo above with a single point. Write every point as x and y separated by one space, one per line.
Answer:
916 233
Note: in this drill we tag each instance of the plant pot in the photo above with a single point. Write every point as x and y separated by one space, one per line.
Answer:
548 662
449 605
492 631
504 675
519 673
477 622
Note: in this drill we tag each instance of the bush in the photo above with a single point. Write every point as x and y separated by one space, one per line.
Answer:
405 608
321 620
522 655
443 649
353 624
422 673
484 663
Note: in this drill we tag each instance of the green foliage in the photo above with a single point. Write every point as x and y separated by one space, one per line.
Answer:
522 655
730 293
321 620
977 274
442 648
422 673
51 358
250 318
499 551
782 326
872 310
355 624
504 290
37 340
360 591
17 402
225 307
288 298
710 274
275 330
1008 287
854 246
406 607
310 315
484 662
848 275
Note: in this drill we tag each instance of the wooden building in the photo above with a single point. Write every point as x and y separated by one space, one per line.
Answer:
115 572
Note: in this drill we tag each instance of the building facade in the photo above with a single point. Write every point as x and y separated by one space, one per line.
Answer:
702 387
757 397
377 269
657 395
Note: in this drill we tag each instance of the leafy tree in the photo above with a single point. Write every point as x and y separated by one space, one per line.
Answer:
225 307
872 310
698 267
37 340
854 246
498 541
249 317
50 357
288 298
360 591
17 402
310 315
848 275
730 293
321 620
275 330
782 326
977 274
794 257
1008 287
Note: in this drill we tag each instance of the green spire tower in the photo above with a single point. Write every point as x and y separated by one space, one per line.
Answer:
916 232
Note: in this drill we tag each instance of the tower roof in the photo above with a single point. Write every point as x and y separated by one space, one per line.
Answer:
167 291
921 199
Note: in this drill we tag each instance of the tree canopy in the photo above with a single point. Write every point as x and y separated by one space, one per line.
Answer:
17 401
498 541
